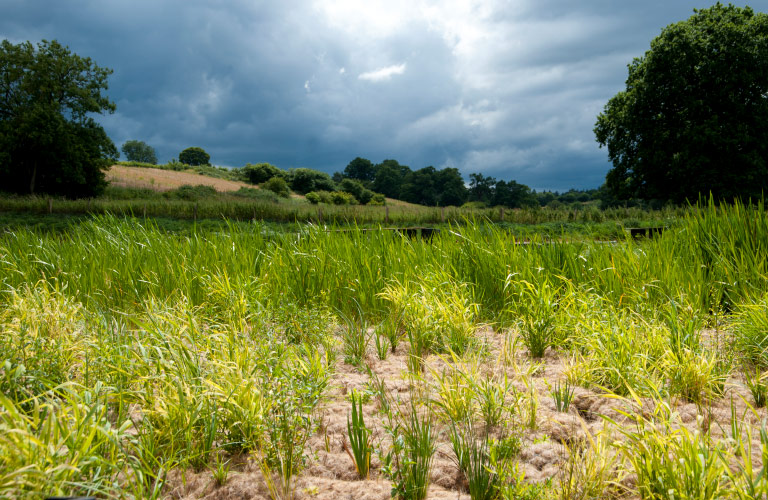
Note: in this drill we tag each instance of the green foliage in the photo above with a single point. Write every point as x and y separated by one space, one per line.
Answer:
261 172
191 193
428 186
316 197
562 394
389 178
222 340
341 198
313 197
758 387
139 151
356 189
687 123
361 170
304 180
751 332
194 156
673 462
473 456
48 141
378 199
256 194
408 464
278 186
360 438
536 305
490 192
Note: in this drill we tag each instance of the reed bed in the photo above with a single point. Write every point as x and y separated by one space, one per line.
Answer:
298 210
142 364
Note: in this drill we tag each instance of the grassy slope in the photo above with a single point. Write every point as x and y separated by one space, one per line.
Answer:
165 180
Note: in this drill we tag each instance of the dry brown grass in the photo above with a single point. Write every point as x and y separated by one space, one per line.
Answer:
166 180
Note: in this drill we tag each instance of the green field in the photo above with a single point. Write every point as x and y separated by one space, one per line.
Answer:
237 359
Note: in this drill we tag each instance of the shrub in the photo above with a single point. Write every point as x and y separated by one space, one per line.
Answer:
341 198
278 186
304 180
261 172
256 194
313 197
356 189
191 193
378 199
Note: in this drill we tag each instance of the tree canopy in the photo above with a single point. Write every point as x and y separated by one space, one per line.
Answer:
360 169
195 156
49 143
139 151
692 117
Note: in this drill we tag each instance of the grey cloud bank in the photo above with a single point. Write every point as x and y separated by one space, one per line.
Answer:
507 88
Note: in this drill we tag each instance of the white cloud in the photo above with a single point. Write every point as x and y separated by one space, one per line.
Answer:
382 74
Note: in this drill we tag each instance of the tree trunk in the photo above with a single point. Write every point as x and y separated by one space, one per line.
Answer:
32 180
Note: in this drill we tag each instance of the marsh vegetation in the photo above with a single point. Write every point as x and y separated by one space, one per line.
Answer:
240 361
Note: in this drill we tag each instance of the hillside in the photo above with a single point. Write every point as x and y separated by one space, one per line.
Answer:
165 180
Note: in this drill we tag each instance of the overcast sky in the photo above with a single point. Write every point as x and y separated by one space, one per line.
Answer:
508 88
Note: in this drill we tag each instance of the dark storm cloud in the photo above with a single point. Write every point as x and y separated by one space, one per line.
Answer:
507 88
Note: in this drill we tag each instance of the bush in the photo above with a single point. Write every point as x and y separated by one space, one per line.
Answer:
261 172
313 198
342 198
356 189
278 186
256 194
316 197
378 199
304 180
191 193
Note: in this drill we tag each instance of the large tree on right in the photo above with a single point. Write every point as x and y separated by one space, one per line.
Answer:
694 116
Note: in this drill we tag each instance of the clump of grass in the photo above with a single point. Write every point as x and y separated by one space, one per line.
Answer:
696 377
751 332
491 397
438 314
536 305
591 471
472 454
381 342
757 383
360 438
562 394
220 471
409 462
354 338
671 461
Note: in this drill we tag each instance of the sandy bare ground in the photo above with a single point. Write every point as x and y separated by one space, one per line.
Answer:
330 473
166 180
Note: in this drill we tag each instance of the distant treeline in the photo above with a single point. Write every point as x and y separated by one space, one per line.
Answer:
363 182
